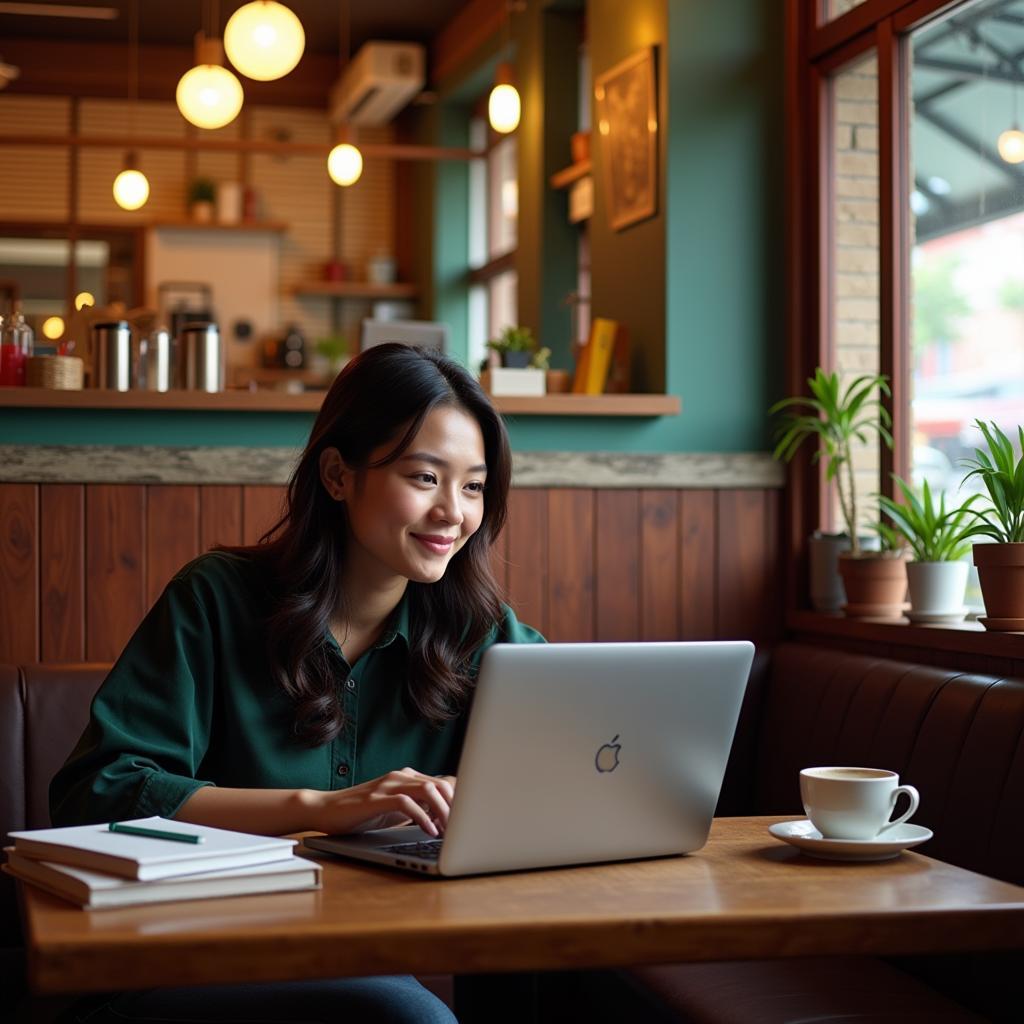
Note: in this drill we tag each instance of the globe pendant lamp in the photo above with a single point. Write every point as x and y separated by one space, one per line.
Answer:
344 162
131 187
264 40
503 105
1011 142
208 95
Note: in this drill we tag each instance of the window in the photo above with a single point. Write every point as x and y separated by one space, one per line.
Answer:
493 224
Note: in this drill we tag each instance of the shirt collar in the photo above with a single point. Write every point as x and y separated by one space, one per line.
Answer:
396 626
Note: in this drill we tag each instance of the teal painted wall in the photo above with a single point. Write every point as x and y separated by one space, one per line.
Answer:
723 287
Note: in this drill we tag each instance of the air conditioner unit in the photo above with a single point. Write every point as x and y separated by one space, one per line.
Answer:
380 80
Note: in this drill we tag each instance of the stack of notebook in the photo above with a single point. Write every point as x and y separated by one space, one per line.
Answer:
154 860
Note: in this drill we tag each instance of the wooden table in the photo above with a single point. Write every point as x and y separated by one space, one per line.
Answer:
745 895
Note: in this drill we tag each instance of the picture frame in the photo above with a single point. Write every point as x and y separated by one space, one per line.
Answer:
627 124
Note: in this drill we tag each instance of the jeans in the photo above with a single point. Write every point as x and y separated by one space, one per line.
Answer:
383 1000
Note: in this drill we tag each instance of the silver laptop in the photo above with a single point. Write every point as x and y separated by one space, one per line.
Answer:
577 753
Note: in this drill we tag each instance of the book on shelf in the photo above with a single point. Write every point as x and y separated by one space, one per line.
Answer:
95 890
146 857
603 363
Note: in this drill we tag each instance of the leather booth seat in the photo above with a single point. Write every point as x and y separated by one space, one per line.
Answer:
959 738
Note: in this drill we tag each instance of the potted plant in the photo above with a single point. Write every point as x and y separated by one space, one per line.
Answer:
334 349
1000 565
202 193
835 417
514 346
938 540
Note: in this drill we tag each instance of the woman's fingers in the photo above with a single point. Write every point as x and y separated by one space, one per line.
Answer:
413 809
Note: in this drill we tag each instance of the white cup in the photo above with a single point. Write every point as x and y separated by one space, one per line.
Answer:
853 803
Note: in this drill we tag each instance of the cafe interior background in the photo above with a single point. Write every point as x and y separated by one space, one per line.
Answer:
765 250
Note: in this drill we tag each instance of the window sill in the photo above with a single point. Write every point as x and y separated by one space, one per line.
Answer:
963 638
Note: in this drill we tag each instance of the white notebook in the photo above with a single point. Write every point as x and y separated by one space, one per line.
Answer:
143 857
96 891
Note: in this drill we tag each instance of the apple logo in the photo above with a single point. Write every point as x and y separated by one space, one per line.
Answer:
607 759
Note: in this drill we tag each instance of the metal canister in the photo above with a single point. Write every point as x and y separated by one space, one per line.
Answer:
112 354
155 364
201 358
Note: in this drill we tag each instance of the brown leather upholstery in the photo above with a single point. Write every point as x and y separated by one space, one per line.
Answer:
957 737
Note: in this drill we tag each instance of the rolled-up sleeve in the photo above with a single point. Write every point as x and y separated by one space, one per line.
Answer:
150 724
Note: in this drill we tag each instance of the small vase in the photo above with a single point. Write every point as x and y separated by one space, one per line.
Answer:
516 360
202 212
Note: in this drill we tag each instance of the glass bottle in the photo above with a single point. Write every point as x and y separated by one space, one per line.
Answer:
15 348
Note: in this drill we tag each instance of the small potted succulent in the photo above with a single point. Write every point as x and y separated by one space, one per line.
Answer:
515 347
836 417
202 193
523 368
938 539
1000 565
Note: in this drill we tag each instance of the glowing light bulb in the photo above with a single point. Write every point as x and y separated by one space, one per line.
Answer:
1011 145
345 164
131 189
504 108
209 96
53 327
83 299
264 40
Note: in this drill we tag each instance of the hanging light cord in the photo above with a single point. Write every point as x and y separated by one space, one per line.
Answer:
344 34
133 80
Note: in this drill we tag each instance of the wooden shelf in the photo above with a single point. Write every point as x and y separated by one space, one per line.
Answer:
356 290
280 401
565 177
276 227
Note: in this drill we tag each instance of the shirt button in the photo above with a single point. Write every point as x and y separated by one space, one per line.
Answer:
343 770
350 683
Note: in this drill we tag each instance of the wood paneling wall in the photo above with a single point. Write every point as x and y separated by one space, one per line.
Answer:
81 564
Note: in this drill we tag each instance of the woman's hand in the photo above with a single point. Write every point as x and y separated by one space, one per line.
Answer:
397 798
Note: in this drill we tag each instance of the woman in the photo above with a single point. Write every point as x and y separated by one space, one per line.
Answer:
321 679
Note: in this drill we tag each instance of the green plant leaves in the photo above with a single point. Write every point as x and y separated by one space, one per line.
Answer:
932 533
1001 470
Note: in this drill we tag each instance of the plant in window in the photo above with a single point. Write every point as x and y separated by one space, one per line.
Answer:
835 418
938 539
1000 467
515 346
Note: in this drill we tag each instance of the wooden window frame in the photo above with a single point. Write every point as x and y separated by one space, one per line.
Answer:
814 50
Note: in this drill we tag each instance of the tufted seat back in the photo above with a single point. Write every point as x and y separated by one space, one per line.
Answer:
956 736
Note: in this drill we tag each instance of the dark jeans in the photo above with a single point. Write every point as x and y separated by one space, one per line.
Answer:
385 1000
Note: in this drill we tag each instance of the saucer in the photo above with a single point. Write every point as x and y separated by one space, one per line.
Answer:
1002 625
937 617
804 836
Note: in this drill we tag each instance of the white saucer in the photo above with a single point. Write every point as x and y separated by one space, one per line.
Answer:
804 836
937 617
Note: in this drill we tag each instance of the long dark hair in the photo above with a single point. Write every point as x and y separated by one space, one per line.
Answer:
382 396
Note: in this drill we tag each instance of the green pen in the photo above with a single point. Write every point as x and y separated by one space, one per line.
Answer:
154 833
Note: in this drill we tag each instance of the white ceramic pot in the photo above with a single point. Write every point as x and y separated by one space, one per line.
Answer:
937 590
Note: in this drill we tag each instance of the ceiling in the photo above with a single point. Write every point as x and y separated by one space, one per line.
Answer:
175 22
968 85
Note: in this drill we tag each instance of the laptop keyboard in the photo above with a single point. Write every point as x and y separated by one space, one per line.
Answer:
427 849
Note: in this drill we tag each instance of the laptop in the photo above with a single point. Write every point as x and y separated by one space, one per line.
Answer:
580 753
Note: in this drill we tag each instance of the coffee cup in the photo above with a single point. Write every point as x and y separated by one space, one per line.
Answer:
854 803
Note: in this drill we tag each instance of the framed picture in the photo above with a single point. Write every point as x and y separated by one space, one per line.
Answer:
627 124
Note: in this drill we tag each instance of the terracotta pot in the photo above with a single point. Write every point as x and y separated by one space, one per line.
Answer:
1001 572
875 587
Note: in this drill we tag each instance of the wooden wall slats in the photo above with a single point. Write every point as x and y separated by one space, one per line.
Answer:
570 558
79 565
659 565
743 593
261 508
172 534
698 568
526 554
220 516
19 573
617 565
62 572
115 584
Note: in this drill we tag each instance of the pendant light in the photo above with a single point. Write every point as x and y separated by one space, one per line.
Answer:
264 40
1011 142
503 105
344 162
131 187
208 95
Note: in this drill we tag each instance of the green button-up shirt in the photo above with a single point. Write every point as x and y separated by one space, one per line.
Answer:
191 703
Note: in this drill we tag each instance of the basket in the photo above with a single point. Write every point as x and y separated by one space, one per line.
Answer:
61 373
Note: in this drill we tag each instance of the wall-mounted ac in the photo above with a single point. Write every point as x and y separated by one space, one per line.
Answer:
380 80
